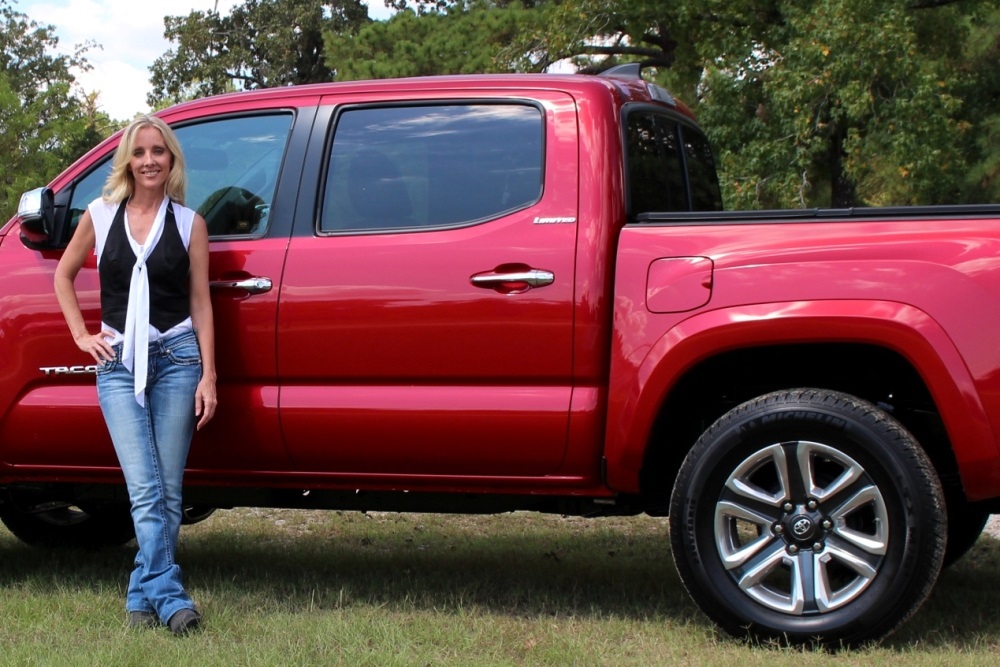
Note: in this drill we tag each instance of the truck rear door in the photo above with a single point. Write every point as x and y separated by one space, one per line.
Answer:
426 311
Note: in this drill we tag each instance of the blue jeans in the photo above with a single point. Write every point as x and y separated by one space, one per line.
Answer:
152 444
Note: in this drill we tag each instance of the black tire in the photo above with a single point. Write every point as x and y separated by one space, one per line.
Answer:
858 522
192 514
59 524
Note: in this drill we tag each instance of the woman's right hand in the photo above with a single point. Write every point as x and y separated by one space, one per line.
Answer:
97 346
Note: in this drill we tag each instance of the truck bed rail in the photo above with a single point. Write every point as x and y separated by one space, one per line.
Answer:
776 216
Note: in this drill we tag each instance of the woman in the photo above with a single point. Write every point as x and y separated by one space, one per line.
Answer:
155 349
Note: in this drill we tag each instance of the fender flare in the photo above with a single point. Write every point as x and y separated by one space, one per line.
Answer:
637 390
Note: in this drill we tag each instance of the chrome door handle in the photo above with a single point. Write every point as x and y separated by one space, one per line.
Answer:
513 281
251 285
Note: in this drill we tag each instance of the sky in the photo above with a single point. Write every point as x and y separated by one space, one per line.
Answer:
130 35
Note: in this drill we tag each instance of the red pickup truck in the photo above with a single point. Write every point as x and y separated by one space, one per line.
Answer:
516 292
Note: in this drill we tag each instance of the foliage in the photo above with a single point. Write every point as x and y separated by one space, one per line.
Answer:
811 103
46 123
836 103
259 44
459 36
814 103
597 34
980 90
467 39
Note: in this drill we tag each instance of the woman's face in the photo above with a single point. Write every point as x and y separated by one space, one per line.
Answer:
151 161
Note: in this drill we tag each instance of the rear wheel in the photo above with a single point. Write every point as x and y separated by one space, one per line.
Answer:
807 516
56 523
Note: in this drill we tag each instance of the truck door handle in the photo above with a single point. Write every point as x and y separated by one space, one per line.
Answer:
250 285
513 281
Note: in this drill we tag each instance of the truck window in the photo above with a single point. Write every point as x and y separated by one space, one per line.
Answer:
660 152
232 166
705 192
86 190
431 166
655 166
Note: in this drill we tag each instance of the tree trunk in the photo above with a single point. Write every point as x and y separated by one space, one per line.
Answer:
843 193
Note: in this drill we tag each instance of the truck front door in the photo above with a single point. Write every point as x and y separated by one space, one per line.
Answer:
234 164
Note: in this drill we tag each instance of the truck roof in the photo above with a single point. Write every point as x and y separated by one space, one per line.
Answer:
625 81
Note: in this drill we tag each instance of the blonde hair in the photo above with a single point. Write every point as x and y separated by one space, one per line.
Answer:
121 183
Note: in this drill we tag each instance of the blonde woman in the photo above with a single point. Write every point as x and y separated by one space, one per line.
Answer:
155 350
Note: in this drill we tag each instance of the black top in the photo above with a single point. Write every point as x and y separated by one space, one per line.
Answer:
168 266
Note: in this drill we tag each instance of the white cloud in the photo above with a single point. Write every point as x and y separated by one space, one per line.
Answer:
130 35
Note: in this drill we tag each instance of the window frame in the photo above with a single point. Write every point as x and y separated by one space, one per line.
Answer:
682 125
330 139
68 195
281 163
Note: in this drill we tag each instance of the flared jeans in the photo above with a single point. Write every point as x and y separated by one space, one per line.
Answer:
152 444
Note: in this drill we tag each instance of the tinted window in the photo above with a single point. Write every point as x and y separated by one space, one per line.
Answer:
431 166
86 190
233 166
656 167
705 192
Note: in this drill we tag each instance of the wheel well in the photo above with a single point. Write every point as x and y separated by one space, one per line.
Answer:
713 387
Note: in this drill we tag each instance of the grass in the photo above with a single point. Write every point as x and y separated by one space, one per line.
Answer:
281 587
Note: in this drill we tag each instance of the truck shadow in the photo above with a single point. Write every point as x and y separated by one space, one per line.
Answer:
493 566
531 574
964 608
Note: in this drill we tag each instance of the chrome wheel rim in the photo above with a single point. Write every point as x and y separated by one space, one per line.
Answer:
801 527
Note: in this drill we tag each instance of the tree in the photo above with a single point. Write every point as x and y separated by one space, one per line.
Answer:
459 36
981 107
471 38
837 103
45 123
259 44
812 103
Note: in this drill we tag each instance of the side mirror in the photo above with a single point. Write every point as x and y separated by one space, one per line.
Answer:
37 214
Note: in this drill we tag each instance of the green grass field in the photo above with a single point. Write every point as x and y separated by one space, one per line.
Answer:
280 587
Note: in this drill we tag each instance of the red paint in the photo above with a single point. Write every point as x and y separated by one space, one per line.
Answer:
374 363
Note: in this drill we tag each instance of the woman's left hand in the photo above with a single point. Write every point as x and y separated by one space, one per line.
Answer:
205 401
